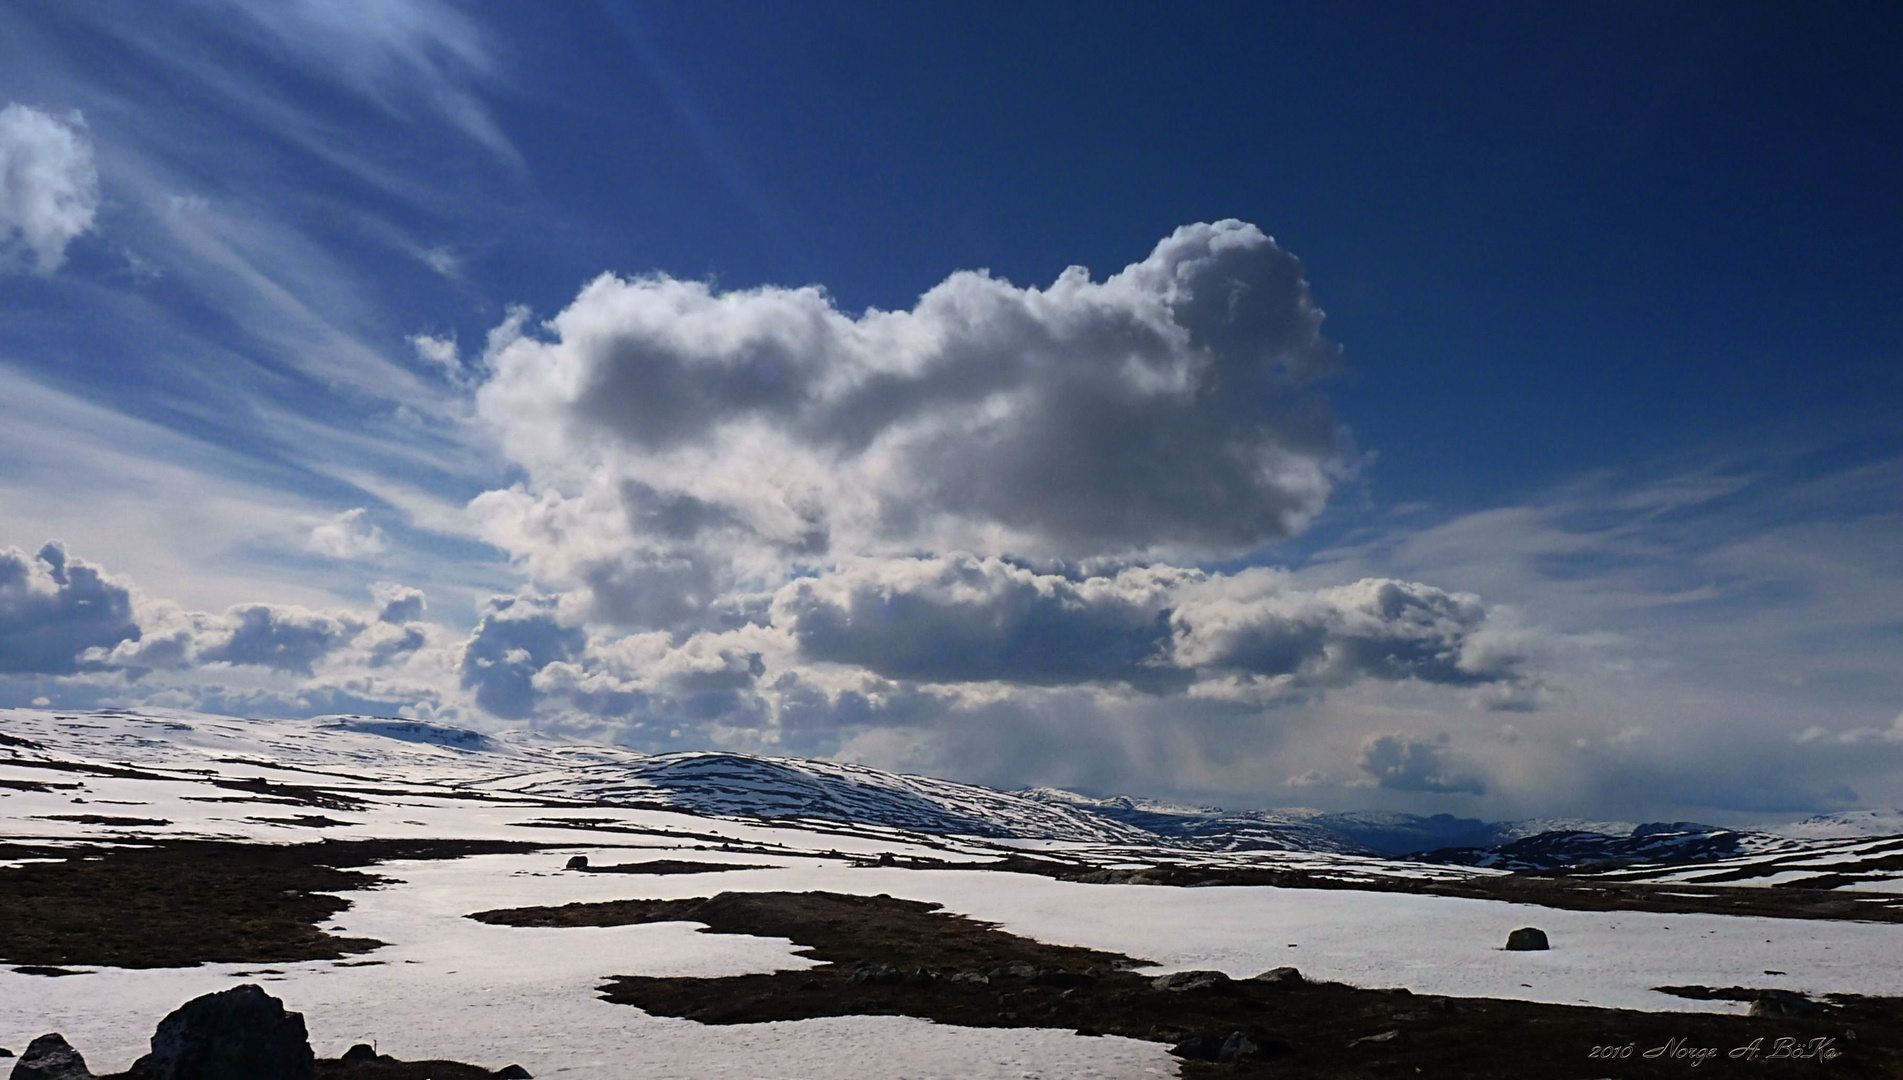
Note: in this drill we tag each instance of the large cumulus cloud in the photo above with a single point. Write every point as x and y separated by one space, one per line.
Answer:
53 609
679 440
753 519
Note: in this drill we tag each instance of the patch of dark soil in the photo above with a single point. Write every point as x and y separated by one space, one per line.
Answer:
709 841
308 821
36 785
671 866
87 768
299 794
102 819
385 1067
182 903
1829 881
1548 889
906 933
15 740
52 972
901 957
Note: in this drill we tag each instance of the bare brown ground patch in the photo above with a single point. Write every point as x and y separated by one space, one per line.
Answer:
672 866
185 902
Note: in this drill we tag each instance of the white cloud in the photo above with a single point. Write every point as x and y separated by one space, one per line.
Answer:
1407 764
64 616
49 187
680 442
1865 736
442 260
440 352
1250 636
517 638
53 609
397 603
347 536
403 55
283 637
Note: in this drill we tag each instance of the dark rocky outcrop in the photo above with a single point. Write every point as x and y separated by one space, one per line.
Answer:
1527 939
1782 1003
578 862
1236 1046
49 1057
359 1052
238 1034
1198 1048
1180 982
513 1072
876 973
1280 976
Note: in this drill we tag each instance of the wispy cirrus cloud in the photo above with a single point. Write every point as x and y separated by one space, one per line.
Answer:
405 56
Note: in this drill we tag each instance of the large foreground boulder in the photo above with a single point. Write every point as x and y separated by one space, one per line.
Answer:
50 1058
237 1034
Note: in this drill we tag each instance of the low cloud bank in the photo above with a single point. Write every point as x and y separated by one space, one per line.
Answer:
1250 636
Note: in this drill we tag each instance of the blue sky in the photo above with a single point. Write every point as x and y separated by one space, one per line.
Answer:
1485 408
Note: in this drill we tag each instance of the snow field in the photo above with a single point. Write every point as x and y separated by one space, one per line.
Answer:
451 987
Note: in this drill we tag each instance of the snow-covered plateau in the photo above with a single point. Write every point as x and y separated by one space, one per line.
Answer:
446 986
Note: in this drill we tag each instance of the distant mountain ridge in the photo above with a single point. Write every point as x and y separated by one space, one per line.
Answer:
728 784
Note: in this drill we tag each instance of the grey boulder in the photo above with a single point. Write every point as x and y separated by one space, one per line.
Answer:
1527 939
50 1058
1179 982
1280 976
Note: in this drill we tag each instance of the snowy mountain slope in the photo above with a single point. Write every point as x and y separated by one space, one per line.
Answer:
1216 829
527 764
167 774
1866 864
1843 825
747 785
370 766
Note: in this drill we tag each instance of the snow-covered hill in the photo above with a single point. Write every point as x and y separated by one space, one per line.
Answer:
447 762
1844 825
